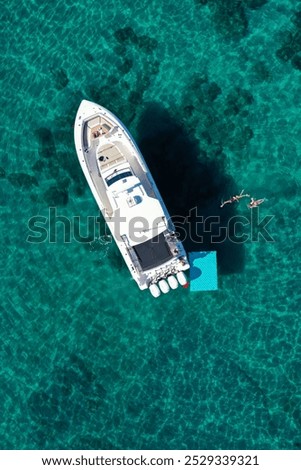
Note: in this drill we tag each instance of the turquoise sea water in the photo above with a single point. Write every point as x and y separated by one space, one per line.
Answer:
211 92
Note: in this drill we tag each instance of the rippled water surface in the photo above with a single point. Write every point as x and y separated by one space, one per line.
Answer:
211 92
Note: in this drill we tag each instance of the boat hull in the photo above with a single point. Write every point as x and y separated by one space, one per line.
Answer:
125 192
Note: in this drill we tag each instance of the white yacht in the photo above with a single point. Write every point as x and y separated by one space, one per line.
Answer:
129 200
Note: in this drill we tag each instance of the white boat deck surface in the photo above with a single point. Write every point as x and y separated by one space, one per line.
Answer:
115 150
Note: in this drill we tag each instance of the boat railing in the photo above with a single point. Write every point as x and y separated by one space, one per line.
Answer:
134 257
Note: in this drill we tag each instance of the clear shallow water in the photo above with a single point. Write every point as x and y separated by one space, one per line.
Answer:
212 96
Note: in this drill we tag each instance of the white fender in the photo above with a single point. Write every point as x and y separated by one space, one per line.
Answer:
172 282
182 278
154 290
164 286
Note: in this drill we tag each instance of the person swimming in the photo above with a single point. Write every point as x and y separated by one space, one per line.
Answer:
234 198
255 202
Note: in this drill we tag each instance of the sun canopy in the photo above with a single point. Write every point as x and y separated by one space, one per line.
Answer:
153 252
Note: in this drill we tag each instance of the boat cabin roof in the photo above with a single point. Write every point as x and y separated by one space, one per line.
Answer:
153 252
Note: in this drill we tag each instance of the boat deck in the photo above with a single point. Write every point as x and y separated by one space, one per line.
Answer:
100 158
109 155
90 157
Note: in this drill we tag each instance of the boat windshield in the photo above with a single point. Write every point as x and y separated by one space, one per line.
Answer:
119 176
153 252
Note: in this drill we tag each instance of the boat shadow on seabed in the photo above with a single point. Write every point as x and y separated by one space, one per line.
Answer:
192 185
